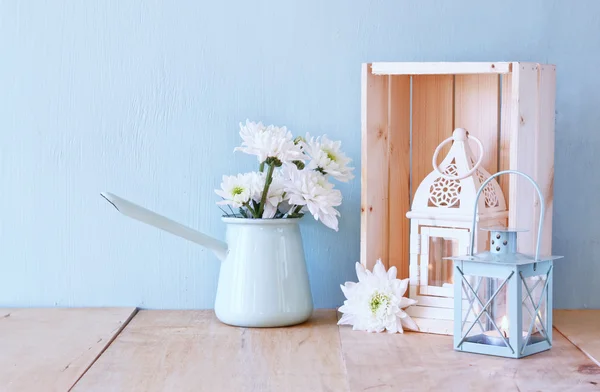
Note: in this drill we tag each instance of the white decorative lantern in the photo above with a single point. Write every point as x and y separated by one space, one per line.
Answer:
441 215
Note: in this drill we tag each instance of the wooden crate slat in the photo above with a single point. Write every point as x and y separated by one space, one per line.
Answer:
399 173
544 171
506 124
374 170
393 68
525 95
433 121
434 326
476 108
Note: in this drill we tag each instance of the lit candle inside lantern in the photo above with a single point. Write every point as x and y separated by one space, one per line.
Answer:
504 326
494 338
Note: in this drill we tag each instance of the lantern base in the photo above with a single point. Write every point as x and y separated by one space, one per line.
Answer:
494 345
492 340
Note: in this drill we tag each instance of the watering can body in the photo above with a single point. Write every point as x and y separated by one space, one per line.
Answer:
263 280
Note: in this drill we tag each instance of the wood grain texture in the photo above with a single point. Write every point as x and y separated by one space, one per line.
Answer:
506 124
545 135
440 68
582 328
374 168
399 174
477 109
193 351
432 121
49 349
424 362
524 123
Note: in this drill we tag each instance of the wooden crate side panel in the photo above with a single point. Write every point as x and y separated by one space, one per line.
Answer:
544 171
476 108
374 168
399 174
433 121
506 124
523 149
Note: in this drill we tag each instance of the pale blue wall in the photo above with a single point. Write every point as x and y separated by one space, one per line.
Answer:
143 98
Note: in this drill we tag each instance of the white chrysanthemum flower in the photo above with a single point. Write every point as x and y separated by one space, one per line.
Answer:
269 142
375 303
235 190
311 189
327 157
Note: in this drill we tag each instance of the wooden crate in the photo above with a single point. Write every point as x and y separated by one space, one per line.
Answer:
409 108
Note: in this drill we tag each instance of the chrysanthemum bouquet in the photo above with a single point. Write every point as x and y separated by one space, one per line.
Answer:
293 176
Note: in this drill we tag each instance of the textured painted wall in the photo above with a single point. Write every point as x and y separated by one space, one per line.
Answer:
143 98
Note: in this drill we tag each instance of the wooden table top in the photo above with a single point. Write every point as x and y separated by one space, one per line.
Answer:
73 349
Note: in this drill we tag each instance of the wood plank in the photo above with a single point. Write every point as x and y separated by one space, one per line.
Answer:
399 175
506 110
424 362
193 351
544 170
477 108
374 168
433 121
524 121
393 68
582 328
49 349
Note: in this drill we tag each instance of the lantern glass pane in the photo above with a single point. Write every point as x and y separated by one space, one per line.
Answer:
534 303
440 272
490 326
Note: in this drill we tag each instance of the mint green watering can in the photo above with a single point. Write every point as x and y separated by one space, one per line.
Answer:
263 281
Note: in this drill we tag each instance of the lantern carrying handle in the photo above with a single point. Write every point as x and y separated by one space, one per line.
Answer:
542 208
462 135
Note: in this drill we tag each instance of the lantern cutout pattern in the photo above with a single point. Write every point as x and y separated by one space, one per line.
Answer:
503 299
440 218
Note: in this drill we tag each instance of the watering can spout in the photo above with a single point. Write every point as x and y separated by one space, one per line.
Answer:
151 218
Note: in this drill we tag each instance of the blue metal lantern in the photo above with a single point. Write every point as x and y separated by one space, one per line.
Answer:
503 299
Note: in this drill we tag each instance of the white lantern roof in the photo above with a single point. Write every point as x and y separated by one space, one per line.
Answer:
449 191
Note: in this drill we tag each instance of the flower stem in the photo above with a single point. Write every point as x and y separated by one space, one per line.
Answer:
261 168
263 199
294 211
247 205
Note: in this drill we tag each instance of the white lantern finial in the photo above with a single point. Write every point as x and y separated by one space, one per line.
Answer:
460 134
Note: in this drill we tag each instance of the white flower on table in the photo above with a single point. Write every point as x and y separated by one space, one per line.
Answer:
269 142
376 302
311 189
327 157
